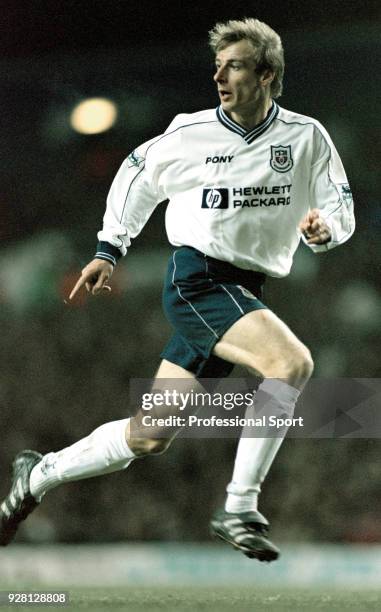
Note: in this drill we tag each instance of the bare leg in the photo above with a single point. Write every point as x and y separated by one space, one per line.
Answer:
260 341
112 446
169 377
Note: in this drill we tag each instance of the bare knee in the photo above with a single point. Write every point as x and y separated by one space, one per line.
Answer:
299 367
148 446
294 366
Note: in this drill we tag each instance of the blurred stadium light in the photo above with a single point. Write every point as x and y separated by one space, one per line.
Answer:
93 116
331 361
359 304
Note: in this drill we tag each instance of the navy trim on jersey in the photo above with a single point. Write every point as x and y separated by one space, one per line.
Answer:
108 251
248 135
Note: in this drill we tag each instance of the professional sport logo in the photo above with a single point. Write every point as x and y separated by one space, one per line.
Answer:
215 198
134 159
281 158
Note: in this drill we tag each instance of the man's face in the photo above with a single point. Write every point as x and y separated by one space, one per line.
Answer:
238 85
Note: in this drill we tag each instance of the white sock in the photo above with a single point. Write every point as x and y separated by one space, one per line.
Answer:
255 455
105 450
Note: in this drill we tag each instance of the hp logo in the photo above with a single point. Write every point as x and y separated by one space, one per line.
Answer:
215 198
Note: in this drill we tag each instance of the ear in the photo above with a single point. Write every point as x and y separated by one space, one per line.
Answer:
266 77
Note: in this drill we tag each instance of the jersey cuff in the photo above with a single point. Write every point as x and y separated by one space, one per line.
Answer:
319 248
109 252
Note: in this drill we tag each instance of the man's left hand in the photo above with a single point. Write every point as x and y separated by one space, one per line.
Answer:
314 228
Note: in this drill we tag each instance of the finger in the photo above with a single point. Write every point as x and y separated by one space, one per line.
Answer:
305 228
316 240
304 225
313 219
307 232
313 232
319 227
320 238
311 216
106 288
80 282
316 226
308 220
102 280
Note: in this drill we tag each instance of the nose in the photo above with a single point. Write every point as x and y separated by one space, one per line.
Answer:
219 76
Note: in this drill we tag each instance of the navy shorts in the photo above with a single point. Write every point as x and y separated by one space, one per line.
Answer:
202 298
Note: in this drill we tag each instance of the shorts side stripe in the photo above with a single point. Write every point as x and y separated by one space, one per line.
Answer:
189 303
233 298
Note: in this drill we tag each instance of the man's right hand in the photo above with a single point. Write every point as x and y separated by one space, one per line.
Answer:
95 277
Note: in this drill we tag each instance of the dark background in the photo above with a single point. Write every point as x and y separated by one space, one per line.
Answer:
39 27
65 370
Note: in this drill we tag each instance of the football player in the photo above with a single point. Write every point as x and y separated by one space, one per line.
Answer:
246 181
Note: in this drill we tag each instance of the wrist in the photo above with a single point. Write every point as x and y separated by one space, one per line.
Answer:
107 252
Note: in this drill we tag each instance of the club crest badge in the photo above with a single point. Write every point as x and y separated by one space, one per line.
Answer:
281 158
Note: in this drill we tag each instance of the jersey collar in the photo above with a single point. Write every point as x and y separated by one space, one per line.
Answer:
248 135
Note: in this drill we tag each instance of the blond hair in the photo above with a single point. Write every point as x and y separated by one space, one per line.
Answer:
267 46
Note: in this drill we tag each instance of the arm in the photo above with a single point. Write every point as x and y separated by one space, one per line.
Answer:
133 196
132 199
330 220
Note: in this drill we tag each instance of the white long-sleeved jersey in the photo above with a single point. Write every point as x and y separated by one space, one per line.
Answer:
235 195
